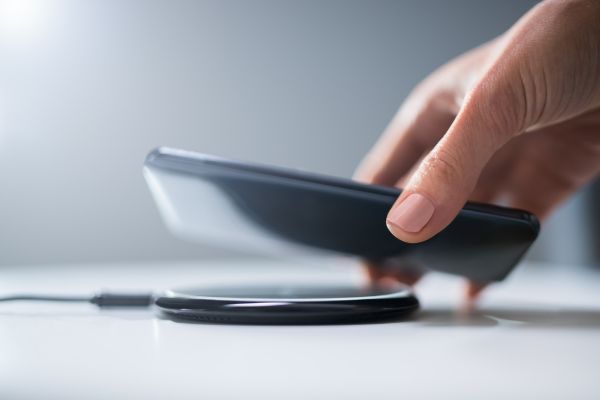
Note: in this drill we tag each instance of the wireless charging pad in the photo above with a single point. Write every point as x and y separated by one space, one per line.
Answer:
288 304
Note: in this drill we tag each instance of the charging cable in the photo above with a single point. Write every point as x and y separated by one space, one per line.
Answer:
101 299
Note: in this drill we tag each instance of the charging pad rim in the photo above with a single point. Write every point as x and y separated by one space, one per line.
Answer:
282 311
400 292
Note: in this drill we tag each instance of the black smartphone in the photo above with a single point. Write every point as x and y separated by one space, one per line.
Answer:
287 304
270 209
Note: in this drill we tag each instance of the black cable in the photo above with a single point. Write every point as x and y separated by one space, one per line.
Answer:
35 297
102 299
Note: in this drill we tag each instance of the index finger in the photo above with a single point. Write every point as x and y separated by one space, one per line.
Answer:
415 129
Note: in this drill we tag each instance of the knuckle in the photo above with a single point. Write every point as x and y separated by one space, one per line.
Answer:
441 164
499 102
568 11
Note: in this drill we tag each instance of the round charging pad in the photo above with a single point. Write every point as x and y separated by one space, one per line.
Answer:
288 304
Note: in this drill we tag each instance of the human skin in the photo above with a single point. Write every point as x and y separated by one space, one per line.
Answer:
515 122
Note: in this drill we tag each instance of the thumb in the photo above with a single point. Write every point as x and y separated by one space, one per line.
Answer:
443 182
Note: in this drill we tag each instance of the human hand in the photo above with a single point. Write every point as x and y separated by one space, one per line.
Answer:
515 121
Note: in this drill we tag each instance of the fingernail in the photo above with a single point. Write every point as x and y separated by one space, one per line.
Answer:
412 214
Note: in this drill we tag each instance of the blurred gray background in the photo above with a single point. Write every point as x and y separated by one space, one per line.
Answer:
87 88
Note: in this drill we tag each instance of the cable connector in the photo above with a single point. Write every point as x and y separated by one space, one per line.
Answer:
102 299
107 299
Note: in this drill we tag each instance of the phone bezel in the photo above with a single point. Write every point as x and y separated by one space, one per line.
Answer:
184 161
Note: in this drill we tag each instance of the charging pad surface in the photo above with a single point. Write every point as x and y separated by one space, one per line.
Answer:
288 304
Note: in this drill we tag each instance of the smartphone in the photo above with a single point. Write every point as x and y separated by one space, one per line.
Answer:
267 209
288 304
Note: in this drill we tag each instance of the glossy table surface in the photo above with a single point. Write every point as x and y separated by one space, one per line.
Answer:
535 336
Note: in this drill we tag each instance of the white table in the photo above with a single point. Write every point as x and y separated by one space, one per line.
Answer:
535 336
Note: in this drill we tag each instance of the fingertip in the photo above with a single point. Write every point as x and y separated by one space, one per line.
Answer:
400 234
386 272
474 290
408 277
409 218
373 271
412 213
